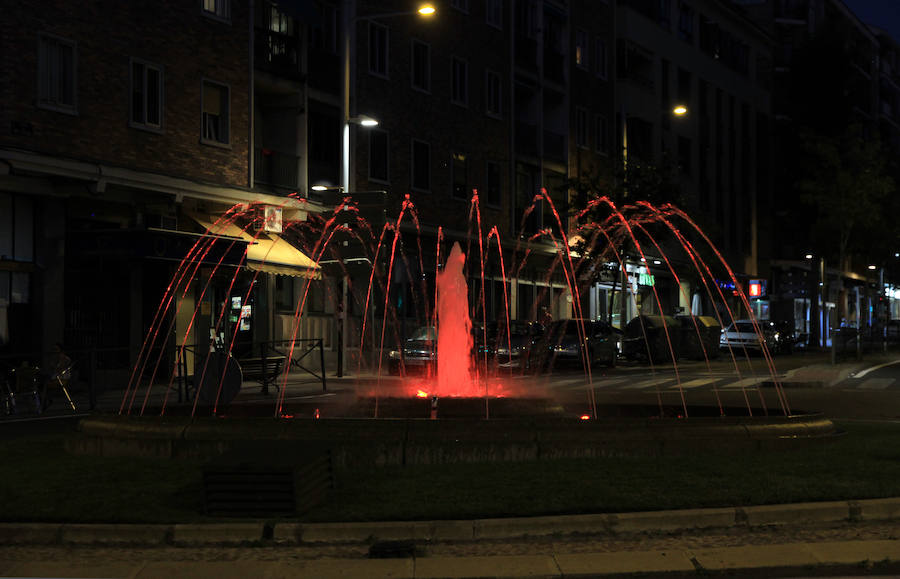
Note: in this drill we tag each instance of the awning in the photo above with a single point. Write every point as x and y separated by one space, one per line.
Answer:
268 252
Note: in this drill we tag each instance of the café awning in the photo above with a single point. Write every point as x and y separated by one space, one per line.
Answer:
267 252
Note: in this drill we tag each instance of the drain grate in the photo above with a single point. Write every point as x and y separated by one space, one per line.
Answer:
254 483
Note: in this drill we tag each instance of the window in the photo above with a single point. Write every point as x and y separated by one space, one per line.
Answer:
686 23
56 74
665 13
421 66
461 5
459 89
458 166
421 165
215 117
494 97
16 228
684 155
378 49
581 47
601 56
494 13
324 36
285 301
146 95
217 9
601 134
378 155
493 184
581 127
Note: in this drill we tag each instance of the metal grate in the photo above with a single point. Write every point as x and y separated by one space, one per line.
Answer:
242 485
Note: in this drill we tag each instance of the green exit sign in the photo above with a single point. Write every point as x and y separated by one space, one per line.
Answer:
646 279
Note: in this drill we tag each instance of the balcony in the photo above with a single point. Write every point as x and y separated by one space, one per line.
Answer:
554 146
278 54
526 138
276 169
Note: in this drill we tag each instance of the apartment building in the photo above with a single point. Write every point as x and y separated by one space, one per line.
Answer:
710 59
828 76
478 97
125 131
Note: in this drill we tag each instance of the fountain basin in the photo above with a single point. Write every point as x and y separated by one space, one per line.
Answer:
362 442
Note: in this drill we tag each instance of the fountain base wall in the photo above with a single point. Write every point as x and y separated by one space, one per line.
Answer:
366 442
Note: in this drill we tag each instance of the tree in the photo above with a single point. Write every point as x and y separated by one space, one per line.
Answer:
844 183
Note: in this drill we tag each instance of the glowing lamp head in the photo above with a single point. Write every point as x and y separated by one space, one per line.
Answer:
368 122
680 110
426 10
585 417
873 267
421 394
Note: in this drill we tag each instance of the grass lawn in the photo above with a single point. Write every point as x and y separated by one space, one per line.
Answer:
41 482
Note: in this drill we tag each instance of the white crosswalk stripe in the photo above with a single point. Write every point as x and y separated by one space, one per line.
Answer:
876 384
694 383
745 383
647 383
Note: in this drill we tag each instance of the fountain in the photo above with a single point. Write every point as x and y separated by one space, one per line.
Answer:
487 416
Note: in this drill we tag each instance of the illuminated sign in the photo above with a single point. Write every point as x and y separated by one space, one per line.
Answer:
646 279
756 288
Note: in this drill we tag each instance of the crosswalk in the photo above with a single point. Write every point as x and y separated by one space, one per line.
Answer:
709 382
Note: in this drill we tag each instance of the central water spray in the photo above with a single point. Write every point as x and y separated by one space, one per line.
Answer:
454 340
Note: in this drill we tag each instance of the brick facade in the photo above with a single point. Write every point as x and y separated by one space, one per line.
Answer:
171 34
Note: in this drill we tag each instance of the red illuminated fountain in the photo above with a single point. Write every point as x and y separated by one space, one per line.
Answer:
459 393
454 340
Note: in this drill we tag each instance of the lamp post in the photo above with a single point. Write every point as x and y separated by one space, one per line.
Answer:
350 18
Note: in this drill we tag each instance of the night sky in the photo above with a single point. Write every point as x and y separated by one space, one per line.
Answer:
884 14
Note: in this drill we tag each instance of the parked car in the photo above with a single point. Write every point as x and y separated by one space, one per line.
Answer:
699 337
561 344
511 350
419 352
646 338
743 334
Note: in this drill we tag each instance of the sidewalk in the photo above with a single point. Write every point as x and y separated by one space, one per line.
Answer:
853 537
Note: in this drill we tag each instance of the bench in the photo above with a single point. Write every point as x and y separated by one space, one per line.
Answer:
263 370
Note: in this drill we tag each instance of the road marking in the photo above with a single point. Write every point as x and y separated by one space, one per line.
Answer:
744 383
876 384
862 373
647 383
695 383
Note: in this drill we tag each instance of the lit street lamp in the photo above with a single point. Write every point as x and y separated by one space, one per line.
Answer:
349 20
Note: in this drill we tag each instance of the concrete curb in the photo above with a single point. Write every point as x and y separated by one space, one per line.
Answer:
292 533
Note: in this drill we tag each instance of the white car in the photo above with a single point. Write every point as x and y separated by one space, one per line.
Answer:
742 334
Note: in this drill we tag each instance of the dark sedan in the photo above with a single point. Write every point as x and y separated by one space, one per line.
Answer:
563 343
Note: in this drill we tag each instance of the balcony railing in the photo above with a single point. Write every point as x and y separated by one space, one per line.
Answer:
278 53
554 146
276 169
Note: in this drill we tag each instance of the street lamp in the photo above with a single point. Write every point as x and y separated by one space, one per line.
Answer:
679 110
349 20
425 11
